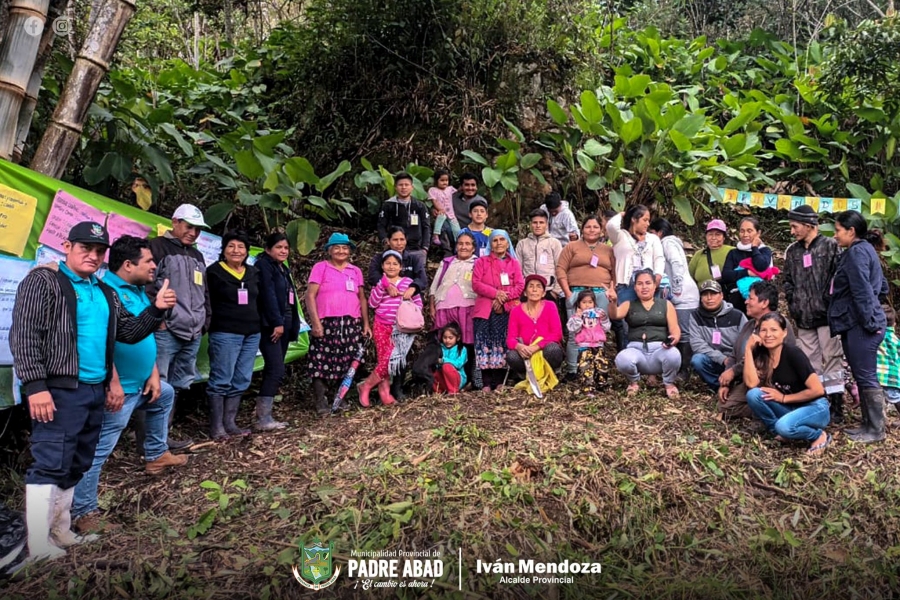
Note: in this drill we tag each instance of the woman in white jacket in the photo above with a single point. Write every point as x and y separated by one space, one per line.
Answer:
685 294
634 251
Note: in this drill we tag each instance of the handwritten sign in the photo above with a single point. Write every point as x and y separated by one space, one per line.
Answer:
210 246
46 254
117 226
66 212
12 272
16 217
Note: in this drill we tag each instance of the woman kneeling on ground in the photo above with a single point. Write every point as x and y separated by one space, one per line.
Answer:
785 392
653 335
533 327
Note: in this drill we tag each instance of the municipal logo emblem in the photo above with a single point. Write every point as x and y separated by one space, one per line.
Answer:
96 230
316 568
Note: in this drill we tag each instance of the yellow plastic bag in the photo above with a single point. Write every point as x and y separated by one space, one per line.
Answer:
543 372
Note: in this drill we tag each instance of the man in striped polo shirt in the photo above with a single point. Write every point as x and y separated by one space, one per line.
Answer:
64 327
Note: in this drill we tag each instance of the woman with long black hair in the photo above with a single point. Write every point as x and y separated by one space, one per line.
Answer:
856 315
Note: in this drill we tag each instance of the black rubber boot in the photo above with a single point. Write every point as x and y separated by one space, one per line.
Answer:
836 401
397 388
872 401
216 414
865 420
232 404
322 408
171 442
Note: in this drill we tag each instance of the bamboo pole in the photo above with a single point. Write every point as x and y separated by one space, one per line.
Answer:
17 57
26 113
90 68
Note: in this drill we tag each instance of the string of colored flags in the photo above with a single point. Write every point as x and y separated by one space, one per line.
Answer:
785 202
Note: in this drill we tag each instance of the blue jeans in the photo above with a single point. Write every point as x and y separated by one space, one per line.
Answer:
85 500
803 421
176 359
708 369
600 301
231 358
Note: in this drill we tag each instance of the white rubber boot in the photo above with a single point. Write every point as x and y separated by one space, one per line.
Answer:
40 500
61 525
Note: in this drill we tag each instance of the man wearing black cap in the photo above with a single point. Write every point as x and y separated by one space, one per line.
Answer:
64 327
809 265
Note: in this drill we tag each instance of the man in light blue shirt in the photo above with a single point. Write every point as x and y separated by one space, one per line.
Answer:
135 384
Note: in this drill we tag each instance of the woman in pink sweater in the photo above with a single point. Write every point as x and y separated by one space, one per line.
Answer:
497 279
534 326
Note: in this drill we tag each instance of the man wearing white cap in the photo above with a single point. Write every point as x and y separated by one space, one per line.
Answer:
178 339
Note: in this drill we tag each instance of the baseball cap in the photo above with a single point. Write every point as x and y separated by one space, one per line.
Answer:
88 232
717 225
710 285
191 214
478 202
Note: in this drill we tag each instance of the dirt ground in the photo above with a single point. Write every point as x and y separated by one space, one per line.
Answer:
672 503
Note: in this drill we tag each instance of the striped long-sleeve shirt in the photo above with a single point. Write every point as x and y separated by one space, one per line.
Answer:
385 305
43 336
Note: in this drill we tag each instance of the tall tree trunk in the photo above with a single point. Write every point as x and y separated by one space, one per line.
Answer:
72 16
228 18
196 40
90 68
37 75
17 57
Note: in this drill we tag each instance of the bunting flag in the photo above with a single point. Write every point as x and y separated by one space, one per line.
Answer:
784 202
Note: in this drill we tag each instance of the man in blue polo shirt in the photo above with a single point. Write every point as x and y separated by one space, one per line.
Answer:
65 324
135 385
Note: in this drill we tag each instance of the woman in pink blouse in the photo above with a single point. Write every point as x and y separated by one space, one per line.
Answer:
338 317
533 326
497 279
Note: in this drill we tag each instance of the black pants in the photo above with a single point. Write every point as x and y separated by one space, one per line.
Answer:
273 355
63 449
553 353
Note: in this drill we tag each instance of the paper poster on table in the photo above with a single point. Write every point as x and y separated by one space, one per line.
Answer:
66 212
210 246
12 272
16 218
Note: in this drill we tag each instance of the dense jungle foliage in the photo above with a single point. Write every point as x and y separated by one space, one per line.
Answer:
305 120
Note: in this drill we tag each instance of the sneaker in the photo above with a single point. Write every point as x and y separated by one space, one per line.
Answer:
165 461
435 240
93 522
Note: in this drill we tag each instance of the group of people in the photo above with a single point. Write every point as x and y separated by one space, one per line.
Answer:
94 354
548 304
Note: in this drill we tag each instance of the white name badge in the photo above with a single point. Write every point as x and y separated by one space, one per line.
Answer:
716 272
543 259
807 261
243 296
290 296
717 337
350 286
413 219
594 260
504 279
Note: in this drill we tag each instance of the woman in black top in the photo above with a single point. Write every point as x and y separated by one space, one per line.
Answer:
750 246
280 322
785 392
233 333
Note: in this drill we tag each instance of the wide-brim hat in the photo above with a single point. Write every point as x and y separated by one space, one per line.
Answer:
339 239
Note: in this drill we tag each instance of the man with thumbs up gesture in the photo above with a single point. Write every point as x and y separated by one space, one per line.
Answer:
65 324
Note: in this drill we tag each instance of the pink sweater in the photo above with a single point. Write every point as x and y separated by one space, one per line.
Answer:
486 282
546 326
385 305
